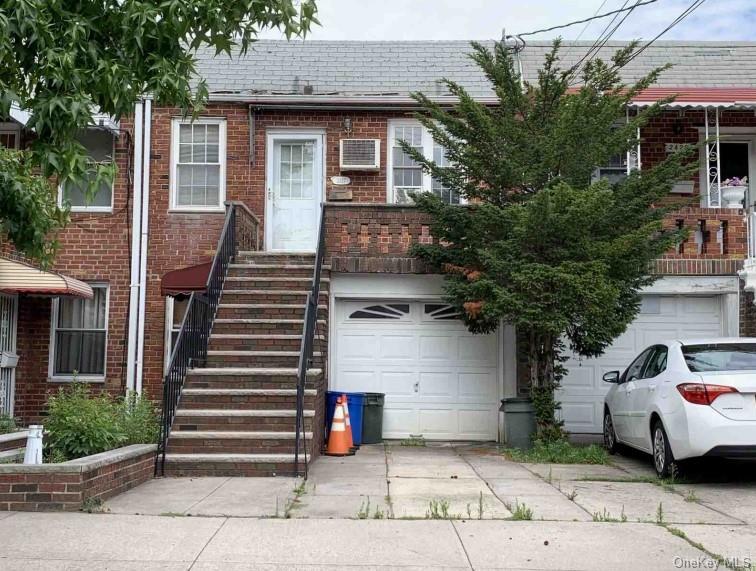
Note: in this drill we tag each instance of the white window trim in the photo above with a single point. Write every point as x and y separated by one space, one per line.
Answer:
51 376
12 128
175 122
90 208
428 144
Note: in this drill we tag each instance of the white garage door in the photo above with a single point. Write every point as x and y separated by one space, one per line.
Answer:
661 318
439 379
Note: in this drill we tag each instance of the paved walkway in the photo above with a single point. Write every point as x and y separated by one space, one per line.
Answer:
436 506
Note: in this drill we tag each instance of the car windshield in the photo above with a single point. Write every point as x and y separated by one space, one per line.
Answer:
720 357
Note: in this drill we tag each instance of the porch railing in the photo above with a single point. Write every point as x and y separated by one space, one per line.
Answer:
306 348
241 231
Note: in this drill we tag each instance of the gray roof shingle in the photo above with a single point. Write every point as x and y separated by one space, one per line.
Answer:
398 68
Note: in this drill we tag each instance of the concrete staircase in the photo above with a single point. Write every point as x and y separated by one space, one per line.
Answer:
236 415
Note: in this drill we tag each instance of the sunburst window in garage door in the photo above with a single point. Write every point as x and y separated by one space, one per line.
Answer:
387 311
440 311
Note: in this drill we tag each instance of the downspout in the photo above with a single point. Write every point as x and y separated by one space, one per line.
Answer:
139 235
136 233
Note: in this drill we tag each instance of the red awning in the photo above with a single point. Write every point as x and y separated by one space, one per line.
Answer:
185 280
21 277
700 97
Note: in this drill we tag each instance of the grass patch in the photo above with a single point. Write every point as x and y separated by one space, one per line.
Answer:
413 441
560 452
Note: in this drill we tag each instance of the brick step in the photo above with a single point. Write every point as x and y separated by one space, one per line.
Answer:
266 311
254 342
273 270
245 398
247 378
286 282
198 465
234 442
253 257
269 296
285 359
239 420
273 326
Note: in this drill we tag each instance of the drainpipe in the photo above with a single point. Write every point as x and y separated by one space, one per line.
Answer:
139 233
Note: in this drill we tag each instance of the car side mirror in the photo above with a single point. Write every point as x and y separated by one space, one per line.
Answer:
611 377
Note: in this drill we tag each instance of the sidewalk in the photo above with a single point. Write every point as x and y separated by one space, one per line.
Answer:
435 506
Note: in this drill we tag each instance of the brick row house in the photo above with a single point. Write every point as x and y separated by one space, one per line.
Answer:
296 131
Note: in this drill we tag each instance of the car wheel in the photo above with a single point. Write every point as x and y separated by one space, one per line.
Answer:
663 459
610 437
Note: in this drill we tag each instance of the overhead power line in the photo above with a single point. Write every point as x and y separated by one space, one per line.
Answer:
595 17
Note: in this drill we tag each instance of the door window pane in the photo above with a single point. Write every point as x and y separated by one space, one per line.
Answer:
296 170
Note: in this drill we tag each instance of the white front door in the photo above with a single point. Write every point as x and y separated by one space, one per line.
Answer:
294 191
440 380
8 321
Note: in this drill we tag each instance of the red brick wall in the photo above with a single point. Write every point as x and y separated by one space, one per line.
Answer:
65 487
93 247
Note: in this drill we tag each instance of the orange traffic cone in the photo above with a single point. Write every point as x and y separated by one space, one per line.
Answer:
338 441
350 435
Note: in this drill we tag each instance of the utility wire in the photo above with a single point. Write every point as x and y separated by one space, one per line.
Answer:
588 23
685 13
588 19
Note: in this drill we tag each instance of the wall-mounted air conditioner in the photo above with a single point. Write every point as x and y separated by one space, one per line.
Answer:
360 154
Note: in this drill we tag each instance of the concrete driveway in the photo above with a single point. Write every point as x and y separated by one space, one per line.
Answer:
435 506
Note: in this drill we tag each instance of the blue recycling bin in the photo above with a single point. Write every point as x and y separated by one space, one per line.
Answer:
355 401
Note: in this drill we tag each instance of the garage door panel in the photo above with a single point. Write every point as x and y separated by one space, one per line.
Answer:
476 348
398 383
477 386
662 317
437 347
356 380
398 347
399 422
357 346
436 385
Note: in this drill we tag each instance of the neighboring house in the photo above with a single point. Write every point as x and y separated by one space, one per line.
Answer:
293 125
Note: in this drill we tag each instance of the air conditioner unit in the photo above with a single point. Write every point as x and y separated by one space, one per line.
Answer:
360 154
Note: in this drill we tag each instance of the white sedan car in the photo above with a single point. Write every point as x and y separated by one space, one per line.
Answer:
685 399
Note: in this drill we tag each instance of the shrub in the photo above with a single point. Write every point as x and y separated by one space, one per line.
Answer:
7 424
139 419
80 424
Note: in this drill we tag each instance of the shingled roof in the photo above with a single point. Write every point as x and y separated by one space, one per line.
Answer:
398 68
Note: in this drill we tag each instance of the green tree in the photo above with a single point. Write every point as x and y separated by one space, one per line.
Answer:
540 244
63 60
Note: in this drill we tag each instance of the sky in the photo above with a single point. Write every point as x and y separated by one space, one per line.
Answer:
485 19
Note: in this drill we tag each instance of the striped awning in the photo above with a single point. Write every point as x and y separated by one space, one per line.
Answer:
20 277
699 97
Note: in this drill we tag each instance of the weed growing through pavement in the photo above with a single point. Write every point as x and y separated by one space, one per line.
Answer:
413 441
520 512
605 516
438 509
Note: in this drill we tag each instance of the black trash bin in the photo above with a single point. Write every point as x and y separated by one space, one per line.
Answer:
372 418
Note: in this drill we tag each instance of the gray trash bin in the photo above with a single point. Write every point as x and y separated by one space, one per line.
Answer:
372 418
519 422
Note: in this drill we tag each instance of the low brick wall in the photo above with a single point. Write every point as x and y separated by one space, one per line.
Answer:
13 440
375 237
66 486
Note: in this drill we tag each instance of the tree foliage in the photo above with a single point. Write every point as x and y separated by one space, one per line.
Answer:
63 60
540 244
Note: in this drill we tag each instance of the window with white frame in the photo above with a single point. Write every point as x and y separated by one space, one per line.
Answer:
79 335
175 309
614 171
10 135
99 145
405 175
198 174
